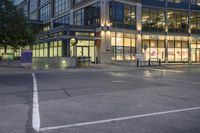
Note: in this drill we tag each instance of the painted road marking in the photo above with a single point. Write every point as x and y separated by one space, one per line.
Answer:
164 70
118 81
118 119
35 113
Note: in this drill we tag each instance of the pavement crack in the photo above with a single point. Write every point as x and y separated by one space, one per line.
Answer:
67 93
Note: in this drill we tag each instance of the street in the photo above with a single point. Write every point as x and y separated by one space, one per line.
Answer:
101 100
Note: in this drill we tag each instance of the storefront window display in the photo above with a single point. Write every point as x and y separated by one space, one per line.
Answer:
195 50
155 48
123 46
178 49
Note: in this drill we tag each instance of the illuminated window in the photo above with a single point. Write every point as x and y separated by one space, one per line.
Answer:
123 46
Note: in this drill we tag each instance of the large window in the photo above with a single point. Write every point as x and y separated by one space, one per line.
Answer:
154 2
153 19
177 21
178 49
34 16
77 1
79 17
155 48
92 15
178 3
33 5
195 4
88 16
195 22
40 50
45 13
61 6
122 15
56 49
62 21
43 2
123 46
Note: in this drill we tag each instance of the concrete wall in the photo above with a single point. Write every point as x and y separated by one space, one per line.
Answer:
55 62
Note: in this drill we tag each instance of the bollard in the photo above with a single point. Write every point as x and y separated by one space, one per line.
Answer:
149 62
159 62
137 62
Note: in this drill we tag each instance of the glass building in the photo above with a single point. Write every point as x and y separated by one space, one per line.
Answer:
117 30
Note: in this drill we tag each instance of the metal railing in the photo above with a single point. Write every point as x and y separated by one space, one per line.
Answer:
150 62
84 61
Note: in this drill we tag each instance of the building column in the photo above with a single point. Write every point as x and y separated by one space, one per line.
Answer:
139 28
66 48
105 48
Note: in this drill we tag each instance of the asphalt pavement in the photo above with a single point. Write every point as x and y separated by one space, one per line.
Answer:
105 99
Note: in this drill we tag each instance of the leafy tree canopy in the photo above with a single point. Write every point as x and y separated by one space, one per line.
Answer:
14 28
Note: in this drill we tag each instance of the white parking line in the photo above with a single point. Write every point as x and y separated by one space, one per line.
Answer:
117 119
35 113
164 70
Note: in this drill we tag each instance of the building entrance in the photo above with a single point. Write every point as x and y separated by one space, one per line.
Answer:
83 51
85 48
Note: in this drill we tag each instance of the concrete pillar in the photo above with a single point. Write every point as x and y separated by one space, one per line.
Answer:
139 28
66 48
105 48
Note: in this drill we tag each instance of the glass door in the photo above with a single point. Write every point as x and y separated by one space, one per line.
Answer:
86 51
79 51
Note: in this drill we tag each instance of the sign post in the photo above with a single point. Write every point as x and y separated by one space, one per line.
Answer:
74 42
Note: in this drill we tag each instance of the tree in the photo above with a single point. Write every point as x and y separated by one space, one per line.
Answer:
14 27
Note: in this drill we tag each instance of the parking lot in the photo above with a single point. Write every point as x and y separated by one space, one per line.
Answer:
106 100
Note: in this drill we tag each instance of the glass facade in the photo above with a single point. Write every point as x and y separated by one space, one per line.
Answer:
153 19
195 50
155 48
195 22
178 49
34 16
33 5
8 49
88 16
195 4
92 15
154 2
40 50
123 46
122 15
45 13
42 2
177 21
54 49
178 3
84 48
61 6
174 22
62 20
